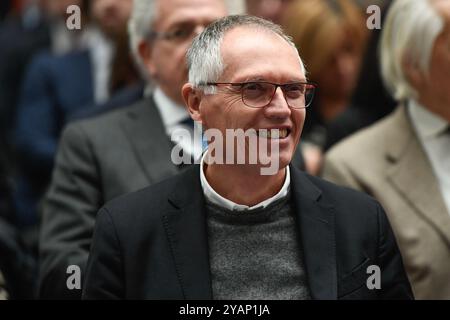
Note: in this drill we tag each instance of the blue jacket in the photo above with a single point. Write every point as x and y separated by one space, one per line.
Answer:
53 89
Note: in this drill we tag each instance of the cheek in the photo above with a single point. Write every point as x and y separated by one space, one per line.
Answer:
298 118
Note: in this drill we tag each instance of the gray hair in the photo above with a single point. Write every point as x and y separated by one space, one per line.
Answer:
204 57
140 27
142 20
410 30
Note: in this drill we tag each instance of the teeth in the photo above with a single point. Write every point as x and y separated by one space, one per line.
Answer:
264 133
273 134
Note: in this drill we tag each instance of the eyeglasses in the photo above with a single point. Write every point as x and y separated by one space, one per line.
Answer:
298 95
178 34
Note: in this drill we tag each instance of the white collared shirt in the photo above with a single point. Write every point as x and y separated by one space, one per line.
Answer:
172 115
101 51
431 130
212 196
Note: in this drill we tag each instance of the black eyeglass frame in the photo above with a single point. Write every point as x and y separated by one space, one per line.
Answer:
312 87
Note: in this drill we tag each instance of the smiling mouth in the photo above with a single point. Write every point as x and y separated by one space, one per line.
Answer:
273 133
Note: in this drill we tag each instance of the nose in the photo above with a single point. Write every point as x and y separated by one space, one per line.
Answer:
278 107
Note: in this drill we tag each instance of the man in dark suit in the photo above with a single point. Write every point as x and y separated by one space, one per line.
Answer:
124 150
56 86
235 230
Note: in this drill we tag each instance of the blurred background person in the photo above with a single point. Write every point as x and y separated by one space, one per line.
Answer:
58 85
18 270
272 10
331 37
30 26
371 101
5 8
113 153
404 160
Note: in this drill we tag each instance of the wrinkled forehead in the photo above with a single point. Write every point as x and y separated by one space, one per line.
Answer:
249 52
172 12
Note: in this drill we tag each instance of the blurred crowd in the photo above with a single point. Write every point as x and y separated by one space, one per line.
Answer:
86 116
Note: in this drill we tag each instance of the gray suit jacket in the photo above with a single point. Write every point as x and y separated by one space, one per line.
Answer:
387 161
98 159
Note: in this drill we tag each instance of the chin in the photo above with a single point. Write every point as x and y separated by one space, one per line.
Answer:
285 159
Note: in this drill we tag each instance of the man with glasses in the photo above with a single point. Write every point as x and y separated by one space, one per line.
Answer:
125 150
227 231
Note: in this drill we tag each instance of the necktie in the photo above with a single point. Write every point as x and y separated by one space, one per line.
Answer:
188 122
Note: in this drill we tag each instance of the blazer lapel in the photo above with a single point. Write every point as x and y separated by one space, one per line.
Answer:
152 146
186 229
411 174
316 224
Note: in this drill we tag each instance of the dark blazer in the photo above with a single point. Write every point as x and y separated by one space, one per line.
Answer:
20 41
54 87
98 159
153 244
123 98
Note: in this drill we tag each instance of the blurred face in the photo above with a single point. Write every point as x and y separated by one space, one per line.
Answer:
253 55
272 10
339 74
112 15
166 57
434 90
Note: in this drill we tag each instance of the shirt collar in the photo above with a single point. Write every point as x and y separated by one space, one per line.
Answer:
427 124
212 196
171 112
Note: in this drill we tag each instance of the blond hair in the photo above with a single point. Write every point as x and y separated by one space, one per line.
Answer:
313 25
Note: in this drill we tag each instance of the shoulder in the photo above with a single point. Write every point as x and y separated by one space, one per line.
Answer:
122 99
354 214
50 60
108 122
369 141
343 197
152 203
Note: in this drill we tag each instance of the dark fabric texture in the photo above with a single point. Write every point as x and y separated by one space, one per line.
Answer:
99 158
153 244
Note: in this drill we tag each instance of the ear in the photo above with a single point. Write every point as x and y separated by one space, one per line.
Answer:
412 72
145 50
192 99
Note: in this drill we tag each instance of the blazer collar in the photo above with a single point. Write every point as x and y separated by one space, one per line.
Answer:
412 176
316 222
152 147
186 228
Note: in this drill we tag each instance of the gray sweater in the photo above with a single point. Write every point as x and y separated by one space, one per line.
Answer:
256 254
